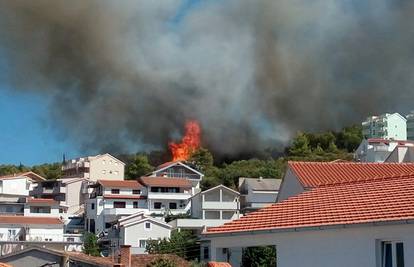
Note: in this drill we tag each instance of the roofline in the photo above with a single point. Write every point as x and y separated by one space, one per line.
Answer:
217 186
205 235
145 218
107 154
131 216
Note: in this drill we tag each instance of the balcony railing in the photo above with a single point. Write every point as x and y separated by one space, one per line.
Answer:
217 205
122 211
167 195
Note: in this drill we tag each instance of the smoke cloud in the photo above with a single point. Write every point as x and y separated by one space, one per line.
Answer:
126 75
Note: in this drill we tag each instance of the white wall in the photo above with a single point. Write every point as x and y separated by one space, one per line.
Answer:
290 186
356 246
16 186
107 168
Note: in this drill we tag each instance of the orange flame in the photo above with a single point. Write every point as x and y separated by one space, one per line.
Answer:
189 143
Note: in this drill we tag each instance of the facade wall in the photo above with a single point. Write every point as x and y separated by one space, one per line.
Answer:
74 197
54 211
11 208
107 168
18 186
386 126
290 186
356 246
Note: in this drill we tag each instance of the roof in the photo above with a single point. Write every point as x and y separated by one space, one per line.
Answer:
218 264
140 219
109 196
387 141
263 184
133 184
401 154
217 187
313 174
31 175
75 256
165 182
384 200
29 220
48 201
173 163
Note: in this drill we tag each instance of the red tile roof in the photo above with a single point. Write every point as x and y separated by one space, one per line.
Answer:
133 184
31 200
218 264
165 182
313 174
124 196
382 200
29 220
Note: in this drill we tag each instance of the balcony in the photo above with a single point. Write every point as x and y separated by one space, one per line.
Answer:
167 195
122 211
217 205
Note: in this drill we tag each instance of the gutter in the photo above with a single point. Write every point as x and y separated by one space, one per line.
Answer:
205 236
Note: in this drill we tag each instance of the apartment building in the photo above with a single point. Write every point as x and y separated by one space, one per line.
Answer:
93 168
167 195
386 126
212 207
410 125
379 150
111 200
257 193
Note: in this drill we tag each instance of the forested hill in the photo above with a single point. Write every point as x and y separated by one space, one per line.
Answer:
324 146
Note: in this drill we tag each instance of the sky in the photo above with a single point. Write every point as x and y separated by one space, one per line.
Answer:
27 135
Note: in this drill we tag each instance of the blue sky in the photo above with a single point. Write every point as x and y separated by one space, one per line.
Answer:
27 135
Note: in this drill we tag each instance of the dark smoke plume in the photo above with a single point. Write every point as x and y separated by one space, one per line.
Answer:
125 75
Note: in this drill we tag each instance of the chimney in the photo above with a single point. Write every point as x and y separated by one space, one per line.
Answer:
125 255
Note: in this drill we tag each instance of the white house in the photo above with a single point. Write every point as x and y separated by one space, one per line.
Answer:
43 207
178 169
167 195
97 167
401 154
410 126
136 229
302 176
385 126
111 200
211 207
378 150
359 224
257 193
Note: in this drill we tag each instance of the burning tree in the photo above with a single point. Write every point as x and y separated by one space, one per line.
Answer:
189 143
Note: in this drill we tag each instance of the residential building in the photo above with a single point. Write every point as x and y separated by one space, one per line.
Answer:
167 195
135 230
257 193
386 126
378 150
410 126
401 154
357 223
111 200
179 169
302 176
43 207
211 207
97 167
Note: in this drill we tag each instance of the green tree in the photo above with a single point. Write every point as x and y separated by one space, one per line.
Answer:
181 243
90 244
259 256
138 167
300 145
51 171
162 262
202 159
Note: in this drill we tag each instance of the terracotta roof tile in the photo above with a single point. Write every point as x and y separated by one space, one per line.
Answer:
133 184
31 200
100 261
313 174
29 220
165 182
31 175
381 200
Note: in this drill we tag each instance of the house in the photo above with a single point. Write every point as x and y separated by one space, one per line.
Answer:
410 125
136 229
93 168
167 195
302 176
14 189
178 169
356 223
111 200
378 150
257 193
385 126
211 207
43 207
401 154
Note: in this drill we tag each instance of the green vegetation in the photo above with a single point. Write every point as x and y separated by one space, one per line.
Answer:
182 243
162 262
259 256
90 244
138 166
47 170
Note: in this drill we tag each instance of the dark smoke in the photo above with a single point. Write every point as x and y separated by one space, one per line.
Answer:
126 75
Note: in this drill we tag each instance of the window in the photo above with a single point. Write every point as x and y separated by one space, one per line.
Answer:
142 243
157 205
173 206
135 204
39 209
136 191
108 225
103 162
119 205
114 191
92 206
206 253
103 171
392 254
147 226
